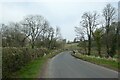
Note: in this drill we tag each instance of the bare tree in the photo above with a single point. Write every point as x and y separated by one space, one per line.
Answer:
12 35
108 13
33 26
50 37
89 21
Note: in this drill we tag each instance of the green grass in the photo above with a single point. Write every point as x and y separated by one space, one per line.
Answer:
112 64
32 69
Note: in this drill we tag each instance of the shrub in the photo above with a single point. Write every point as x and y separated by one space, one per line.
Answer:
15 58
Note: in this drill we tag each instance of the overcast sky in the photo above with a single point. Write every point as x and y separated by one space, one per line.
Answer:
63 13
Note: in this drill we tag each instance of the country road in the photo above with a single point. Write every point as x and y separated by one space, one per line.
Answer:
64 65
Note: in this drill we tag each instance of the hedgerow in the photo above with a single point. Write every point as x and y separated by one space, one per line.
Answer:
14 58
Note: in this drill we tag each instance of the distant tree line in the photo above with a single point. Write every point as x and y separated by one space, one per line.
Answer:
33 31
95 33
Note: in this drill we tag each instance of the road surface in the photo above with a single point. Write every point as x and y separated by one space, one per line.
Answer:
64 65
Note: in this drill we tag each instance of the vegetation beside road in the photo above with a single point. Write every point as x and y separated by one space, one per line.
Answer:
34 68
109 63
26 42
30 70
98 39
13 59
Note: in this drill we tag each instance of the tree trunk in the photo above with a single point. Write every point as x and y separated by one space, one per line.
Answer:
99 51
89 45
107 40
33 44
85 47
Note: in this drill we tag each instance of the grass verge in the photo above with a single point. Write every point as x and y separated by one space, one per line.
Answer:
112 64
32 69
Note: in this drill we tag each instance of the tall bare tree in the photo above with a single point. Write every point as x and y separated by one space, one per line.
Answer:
108 13
33 26
50 37
89 21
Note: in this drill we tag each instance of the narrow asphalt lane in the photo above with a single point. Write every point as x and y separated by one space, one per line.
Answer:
64 65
